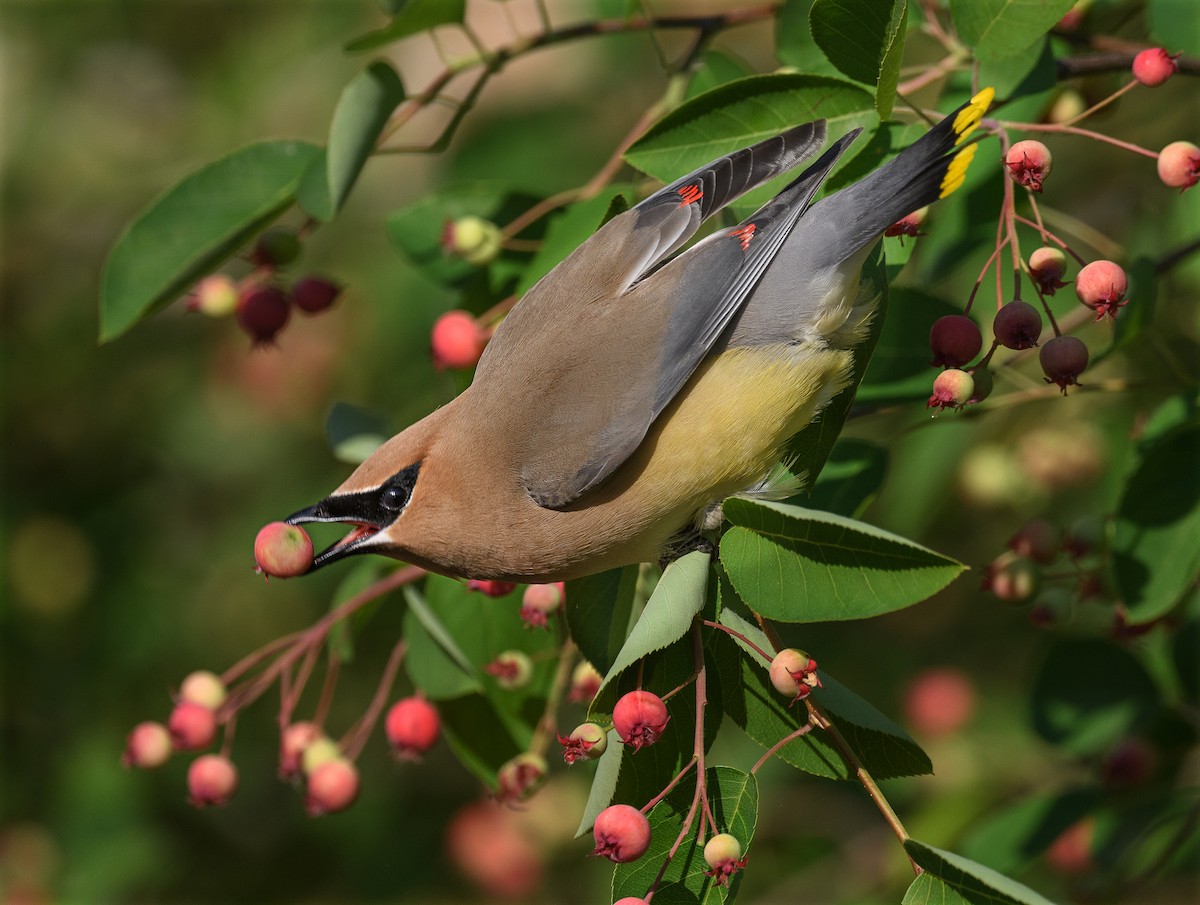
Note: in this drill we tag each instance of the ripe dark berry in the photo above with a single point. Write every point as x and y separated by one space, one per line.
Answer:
1063 359
512 669
457 340
586 742
262 311
639 718
212 779
1179 165
1101 285
412 727
723 855
331 787
539 602
491 588
215 296
1017 325
952 389
794 674
954 340
518 778
1047 266
1029 164
622 833
204 688
192 726
1153 66
314 294
282 550
277 247
148 746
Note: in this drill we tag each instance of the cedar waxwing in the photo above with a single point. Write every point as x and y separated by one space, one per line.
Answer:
624 398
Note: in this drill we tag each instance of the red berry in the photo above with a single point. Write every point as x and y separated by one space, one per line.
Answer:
492 588
539 602
951 389
954 340
1046 267
314 294
1153 66
723 855
204 688
794 674
294 740
512 669
909 225
1038 540
192 726
1101 285
148 746
939 701
488 844
262 311
639 718
412 727
1017 325
282 550
518 778
586 742
215 296
1063 359
277 247
585 682
630 900
1071 852
1012 578
1029 164
457 340
331 787
212 779
622 833
1179 165
473 239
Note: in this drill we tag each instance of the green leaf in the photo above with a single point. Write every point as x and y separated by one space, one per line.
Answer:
604 783
414 16
733 796
434 660
1156 543
1001 28
1090 693
1030 71
865 40
481 738
598 610
1174 25
743 112
567 232
362 111
1011 838
353 433
716 68
930 890
794 41
194 226
850 479
970 877
801 565
341 636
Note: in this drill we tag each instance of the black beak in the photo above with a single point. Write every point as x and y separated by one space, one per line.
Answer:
362 510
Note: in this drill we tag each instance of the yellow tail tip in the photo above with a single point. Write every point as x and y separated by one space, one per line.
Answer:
970 115
957 171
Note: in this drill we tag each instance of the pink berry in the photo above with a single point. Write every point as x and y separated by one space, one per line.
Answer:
192 726
518 778
1153 66
473 239
294 740
148 746
313 294
457 340
1038 540
539 602
412 727
1063 359
331 787
909 225
204 688
262 311
215 296
282 550
1012 578
639 718
1179 165
1101 285
939 701
1017 325
277 247
1029 163
1071 852
585 682
622 833
586 742
794 674
491 847
212 779
512 669
952 389
723 855
954 340
1047 266
492 588
630 900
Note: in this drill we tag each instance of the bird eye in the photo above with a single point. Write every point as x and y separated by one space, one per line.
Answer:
393 499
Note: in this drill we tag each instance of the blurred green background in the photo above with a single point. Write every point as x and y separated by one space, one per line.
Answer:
135 474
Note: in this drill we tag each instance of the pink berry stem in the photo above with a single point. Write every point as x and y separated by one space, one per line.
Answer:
982 273
1047 235
227 736
333 666
299 681
724 628
1085 133
1133 83
547 728
248 662
678 688
672 784
1008 209
790 737
356 737
931 74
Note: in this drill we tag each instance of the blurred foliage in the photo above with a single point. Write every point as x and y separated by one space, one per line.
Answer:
135 473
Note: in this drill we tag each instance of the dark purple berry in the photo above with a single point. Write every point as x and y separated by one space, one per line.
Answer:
1017 325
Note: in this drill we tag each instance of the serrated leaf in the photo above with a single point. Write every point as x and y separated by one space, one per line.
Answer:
567 232
1000 28
865 40
1156 541
801 565
353 432
413 17
930 890
733 796
971 877
195 225
716 68
598 609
